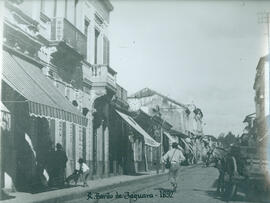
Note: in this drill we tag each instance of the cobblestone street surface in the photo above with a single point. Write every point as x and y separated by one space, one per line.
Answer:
195 184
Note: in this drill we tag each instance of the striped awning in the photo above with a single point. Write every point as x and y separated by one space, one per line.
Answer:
44 99
147 138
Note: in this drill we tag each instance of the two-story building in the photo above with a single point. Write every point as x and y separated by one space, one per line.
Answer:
66 44
185 119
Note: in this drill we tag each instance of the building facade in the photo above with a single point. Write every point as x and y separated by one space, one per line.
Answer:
120 148
186 119
148 157
56 67
261 88
68 42
262 121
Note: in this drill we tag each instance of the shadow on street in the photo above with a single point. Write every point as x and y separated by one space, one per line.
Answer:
216 195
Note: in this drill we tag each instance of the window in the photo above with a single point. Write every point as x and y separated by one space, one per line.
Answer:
86 26
42 6
55 8
96 45
75 12
106 51
65 8
47 10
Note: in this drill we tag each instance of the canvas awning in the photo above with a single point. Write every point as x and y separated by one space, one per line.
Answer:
147 138
3 107
170 137
43 98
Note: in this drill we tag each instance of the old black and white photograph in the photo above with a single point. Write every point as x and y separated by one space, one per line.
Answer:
148 101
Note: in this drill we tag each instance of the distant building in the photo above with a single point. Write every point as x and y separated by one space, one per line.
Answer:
148 157
186 119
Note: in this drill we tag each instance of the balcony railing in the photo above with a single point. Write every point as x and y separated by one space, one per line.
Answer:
103 75
63 30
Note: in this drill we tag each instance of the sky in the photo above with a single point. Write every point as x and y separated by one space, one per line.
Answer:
201 52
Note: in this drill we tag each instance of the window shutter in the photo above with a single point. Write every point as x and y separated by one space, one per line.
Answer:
108 52
104 50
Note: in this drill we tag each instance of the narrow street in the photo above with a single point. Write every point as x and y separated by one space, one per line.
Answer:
195 184
98 96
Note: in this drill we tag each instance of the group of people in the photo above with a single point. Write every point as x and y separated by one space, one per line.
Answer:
56 167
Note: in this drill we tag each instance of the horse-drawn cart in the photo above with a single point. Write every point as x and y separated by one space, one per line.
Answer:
245 170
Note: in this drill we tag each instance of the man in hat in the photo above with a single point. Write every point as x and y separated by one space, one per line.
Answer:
175 156
60 158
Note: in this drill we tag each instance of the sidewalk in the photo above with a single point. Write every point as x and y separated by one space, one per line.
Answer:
65 194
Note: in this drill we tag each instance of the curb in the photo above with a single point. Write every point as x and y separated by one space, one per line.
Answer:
71 194
83 191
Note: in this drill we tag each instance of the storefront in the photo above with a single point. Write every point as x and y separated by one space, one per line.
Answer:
6 141
141 142
42 118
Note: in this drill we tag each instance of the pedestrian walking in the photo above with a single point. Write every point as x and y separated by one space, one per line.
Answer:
84 171
60 164
173 159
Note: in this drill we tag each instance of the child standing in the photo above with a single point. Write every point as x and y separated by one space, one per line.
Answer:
84 169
